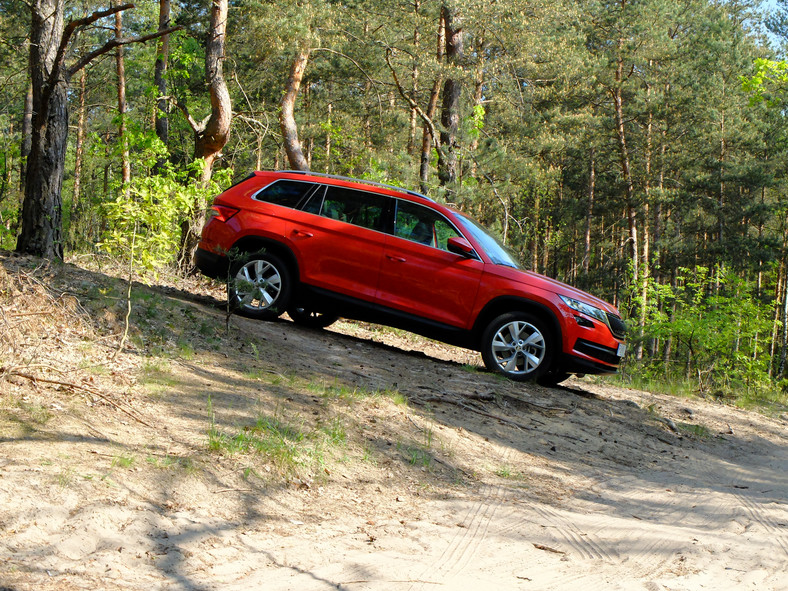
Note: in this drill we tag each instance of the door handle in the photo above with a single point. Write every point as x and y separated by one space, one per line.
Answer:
396 259
302 234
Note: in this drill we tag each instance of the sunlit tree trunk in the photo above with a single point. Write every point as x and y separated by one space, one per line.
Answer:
287 122
80 147
211 135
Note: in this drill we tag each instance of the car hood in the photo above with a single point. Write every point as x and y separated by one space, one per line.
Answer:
538 281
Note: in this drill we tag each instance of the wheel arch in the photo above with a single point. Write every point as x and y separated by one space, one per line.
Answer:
506 304
254 244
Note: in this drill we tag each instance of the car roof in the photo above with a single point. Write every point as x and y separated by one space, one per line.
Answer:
344 181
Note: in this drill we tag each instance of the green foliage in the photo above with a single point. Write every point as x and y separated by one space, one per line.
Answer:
150 216
719 332
768 83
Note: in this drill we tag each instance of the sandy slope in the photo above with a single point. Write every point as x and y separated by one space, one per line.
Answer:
583 487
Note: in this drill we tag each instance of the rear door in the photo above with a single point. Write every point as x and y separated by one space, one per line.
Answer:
338 239
419 275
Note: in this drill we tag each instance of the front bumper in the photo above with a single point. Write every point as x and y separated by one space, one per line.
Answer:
591 358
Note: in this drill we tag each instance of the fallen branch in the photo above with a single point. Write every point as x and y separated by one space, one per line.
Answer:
548 549
91 391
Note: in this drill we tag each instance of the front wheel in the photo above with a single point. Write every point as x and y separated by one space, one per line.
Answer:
518 346
259 286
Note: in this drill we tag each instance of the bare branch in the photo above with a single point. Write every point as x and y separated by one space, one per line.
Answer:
413 105
73 26
183 109
116 43
355 63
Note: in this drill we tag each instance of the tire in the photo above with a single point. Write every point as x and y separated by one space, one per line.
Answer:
518 346
310 318
259 287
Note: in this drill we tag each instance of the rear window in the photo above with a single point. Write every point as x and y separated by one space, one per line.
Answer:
285 192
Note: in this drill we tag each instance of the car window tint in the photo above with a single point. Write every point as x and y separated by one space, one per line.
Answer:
284 192
421 224
354 207
315 201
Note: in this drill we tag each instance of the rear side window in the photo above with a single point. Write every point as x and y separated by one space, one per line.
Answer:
359 208
284 192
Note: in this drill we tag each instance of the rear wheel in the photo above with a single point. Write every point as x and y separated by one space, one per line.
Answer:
259 286
518 346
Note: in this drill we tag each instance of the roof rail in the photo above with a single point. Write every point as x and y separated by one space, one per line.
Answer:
355 180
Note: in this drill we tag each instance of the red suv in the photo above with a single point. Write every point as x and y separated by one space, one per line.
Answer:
319 247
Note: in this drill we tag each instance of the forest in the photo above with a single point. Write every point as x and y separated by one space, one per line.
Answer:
635 148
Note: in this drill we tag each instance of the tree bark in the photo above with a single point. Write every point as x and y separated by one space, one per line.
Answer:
287 122
212 134
162 122
27 135
80 147
215 131
626 170
452 88
414 81
589 211
41 233
120 69
432 107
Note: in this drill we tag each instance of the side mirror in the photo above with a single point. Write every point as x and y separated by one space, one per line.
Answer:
462 247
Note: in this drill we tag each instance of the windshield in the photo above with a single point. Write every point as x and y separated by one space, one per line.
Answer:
492 246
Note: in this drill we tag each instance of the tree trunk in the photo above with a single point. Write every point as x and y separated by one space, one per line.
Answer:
159 74
589 211
212 134
80 147
27 134
452 88
414 81
287 122
41 233
120 68
432 107
781 368
626 171
328 139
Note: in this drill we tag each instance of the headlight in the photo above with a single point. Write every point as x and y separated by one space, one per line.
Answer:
586 309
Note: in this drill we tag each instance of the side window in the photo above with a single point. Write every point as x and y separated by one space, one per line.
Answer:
284 192
315 201
421 224
354 207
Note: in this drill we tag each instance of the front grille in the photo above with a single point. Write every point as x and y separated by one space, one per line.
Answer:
605 354
617 326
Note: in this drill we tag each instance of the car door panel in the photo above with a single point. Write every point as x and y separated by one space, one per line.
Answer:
428 282
335 251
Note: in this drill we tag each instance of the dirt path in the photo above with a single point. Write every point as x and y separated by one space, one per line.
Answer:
428 473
